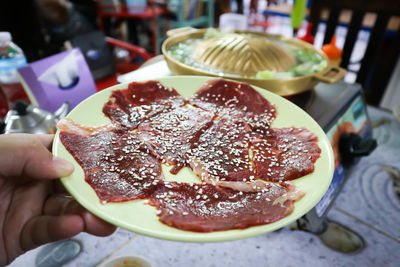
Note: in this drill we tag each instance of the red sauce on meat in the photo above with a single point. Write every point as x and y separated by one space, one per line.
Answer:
223 133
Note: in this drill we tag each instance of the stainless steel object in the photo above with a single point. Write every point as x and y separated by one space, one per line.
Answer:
24 118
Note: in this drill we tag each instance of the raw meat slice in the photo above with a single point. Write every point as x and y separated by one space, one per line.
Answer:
233 99
68 125
206 208
116 163
139 101
285 154
222 153
171 134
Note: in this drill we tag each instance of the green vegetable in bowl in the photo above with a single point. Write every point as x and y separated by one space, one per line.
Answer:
304 55
267 74
322 65
308 68
309 63
283 75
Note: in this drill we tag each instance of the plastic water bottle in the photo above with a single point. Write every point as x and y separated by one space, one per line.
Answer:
11 58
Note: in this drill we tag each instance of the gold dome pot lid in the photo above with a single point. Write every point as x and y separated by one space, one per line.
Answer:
243 54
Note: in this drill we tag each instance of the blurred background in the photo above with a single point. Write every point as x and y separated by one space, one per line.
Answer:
42 28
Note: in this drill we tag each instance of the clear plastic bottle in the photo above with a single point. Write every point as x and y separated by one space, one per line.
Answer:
11 58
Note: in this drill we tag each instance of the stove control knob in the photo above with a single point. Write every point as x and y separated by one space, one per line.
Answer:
352 146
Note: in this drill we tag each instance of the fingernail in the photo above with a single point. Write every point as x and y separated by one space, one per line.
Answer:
62 167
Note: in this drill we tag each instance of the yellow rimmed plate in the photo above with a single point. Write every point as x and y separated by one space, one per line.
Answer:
139 217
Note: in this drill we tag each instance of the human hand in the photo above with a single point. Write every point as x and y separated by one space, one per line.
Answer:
32 210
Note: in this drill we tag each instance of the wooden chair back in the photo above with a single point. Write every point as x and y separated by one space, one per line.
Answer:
383 47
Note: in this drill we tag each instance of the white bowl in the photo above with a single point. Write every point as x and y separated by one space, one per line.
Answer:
127 261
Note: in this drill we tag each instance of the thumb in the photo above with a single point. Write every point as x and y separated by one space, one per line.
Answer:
27 155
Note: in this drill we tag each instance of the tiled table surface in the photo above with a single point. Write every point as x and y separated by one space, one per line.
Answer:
367 205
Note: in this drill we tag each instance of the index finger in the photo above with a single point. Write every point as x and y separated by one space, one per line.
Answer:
27 155
46 140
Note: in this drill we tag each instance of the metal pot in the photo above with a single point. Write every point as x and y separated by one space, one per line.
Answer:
25 118
284 87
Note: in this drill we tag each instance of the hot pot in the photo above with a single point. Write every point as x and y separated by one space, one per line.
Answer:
245 51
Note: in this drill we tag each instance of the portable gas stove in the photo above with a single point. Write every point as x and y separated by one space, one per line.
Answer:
340 110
